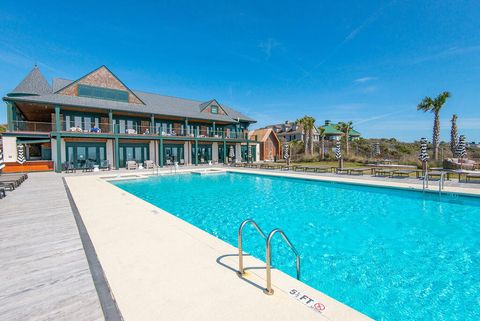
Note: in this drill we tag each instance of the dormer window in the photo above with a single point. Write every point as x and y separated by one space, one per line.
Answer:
214 109
102 93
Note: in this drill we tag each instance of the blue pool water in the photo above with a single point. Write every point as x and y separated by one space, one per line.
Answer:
391 254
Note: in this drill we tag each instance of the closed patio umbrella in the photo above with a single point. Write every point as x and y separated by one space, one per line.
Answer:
338 153
249 155
461 150
20 154
286 154
2 164
423 156
231 153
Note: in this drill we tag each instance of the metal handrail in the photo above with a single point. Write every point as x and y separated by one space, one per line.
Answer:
241 270
269 289
441 183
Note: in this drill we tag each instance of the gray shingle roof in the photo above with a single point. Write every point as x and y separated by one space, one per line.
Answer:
154 103
33 84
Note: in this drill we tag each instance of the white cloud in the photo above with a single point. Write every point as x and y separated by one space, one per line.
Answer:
364 80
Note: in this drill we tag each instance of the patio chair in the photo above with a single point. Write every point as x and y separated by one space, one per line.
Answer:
88 166
149 164
131 165
105 165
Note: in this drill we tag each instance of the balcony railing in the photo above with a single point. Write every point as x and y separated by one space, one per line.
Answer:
32 126
106 128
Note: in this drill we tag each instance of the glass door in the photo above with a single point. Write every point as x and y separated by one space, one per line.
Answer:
133 152
204 154
173 153
80 153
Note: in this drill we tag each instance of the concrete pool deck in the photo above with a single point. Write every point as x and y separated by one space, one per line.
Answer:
161 267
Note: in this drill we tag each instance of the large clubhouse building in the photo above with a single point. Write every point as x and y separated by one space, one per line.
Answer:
97 119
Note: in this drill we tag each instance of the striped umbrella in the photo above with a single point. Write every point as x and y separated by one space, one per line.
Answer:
2 164
286 154
338 150
20 154
423 150
461 150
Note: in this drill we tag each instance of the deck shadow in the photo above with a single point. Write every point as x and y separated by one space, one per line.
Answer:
220 259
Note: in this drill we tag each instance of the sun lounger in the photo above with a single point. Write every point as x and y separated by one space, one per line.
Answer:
359 170
384 172
405 172
469 176
436 173
6 185
16 181
344 170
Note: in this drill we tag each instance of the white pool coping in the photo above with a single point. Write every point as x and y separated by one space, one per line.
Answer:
161 267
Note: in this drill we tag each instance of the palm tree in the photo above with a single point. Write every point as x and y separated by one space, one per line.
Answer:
308 124
453 135
321 131
434 105
345 128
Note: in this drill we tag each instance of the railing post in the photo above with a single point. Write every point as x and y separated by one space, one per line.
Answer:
110 121
10 124
58 141
161 152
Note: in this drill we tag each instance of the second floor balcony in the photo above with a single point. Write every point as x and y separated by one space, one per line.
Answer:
130 129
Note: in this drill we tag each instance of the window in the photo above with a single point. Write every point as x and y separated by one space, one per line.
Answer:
214 109
102 93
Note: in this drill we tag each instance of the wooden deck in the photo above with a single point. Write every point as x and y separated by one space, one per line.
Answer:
44 274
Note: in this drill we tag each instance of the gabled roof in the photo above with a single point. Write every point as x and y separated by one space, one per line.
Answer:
33 84
153 103
93 71
262 134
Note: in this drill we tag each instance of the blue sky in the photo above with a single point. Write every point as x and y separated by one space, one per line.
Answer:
366 61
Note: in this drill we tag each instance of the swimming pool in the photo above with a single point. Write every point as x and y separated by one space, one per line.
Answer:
391 254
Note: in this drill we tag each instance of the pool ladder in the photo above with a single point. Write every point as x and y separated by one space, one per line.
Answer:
268 255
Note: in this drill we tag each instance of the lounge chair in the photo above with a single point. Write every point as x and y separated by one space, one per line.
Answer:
105 165
359 170
384 172
469 176
436 173
406 172
15 181
149 164
6 185
131 165
344 170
